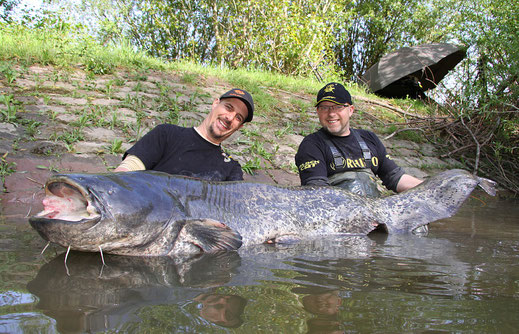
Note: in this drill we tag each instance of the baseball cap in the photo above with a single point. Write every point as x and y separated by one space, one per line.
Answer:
245 97
334 92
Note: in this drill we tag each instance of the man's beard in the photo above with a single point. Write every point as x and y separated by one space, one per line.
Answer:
336 132
215 135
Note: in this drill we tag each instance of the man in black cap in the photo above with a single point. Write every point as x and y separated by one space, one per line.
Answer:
342 156
196 151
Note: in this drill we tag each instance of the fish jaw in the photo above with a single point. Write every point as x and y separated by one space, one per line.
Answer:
57 230
66 200
68 213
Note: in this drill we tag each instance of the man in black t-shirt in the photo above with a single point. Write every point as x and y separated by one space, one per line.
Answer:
341 156
196 151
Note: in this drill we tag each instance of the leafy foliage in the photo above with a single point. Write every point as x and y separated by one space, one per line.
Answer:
284 36
6 8
485 98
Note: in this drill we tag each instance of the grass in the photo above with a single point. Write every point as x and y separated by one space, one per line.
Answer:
6 169
115 147
8 71
9 111
251 165
68 46
31 127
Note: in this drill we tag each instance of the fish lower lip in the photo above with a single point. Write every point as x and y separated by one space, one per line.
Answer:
42 224
62 232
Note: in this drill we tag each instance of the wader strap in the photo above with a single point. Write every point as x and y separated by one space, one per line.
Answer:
338 159
364 147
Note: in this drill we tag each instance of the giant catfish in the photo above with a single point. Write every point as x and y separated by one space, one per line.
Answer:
151 213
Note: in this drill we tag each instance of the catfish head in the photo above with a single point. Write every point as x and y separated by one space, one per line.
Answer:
130 213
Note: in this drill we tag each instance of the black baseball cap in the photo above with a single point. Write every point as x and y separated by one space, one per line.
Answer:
245 97
334 92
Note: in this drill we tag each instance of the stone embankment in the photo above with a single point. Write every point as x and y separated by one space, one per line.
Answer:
69 121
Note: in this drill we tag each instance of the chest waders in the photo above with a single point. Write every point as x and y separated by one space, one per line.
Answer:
361 181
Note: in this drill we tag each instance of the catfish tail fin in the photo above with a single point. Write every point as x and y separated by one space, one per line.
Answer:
438 197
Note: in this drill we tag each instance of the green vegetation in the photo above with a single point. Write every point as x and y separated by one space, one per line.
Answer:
116 147
251 165
8 114
6 169
8 72
69 137
50 168
31 127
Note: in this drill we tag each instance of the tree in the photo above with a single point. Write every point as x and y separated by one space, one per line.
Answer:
487 98
6 8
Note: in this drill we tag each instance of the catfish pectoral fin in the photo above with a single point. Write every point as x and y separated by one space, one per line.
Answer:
209 235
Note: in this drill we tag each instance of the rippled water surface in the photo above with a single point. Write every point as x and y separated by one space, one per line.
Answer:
463 277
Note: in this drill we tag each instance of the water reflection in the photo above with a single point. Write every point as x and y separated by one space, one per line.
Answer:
408 263
462 277
223 310
86 296
325 307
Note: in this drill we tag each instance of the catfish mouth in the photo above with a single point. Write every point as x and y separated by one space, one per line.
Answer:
67 201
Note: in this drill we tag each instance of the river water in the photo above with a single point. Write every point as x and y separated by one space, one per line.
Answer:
463 277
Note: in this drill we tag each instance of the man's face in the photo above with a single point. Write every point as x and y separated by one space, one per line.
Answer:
222 310
335 118
322 304
227 116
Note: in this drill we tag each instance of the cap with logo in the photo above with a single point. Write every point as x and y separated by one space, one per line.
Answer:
334 92
245 97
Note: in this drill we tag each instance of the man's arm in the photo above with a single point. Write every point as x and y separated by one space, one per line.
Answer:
310 162
393 177
129 164
236 172
407 182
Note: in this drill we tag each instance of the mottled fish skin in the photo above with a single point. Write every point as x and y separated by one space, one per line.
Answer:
439 197
145 213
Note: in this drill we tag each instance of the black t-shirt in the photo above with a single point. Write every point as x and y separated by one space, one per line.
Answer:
315 160
182 151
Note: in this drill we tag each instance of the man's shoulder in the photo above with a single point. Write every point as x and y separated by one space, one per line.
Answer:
367 134
364 132
172 129
315 136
